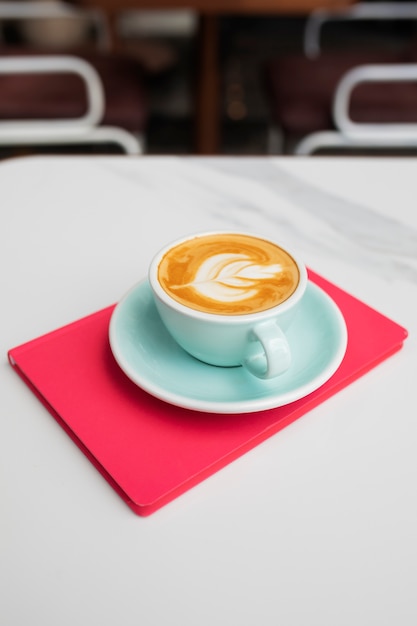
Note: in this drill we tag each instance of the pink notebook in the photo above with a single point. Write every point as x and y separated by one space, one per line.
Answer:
150 451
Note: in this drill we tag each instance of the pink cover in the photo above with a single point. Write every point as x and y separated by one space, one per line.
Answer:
149 451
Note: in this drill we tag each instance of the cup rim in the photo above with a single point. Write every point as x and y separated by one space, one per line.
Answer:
257 316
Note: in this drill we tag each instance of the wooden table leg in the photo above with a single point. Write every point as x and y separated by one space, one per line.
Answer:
207 109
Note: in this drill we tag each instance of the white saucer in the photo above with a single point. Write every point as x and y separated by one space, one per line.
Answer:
149 356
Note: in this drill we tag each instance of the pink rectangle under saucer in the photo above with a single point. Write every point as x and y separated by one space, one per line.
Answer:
149 451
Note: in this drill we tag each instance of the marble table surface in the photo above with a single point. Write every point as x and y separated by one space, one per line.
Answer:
317 525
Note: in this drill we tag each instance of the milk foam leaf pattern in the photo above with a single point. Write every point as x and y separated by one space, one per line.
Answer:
231 277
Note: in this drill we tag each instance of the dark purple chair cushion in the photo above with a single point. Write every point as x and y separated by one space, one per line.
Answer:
300 92
39 96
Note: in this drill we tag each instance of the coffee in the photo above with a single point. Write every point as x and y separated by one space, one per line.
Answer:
228 274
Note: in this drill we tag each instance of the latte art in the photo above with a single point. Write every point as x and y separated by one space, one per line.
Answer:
230 277
228 274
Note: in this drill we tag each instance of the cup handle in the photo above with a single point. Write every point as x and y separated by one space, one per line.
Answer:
273 356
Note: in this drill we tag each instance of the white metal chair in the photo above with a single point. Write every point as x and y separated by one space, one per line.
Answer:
85 129
358 12
350 134
312 95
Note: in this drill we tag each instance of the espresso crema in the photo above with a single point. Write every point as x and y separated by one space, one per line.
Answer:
228 274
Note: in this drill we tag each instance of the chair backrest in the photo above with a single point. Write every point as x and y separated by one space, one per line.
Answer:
83 129
52 64
361 11
379 73
350 134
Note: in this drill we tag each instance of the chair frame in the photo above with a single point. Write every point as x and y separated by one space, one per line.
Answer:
350 134
82 130
361 11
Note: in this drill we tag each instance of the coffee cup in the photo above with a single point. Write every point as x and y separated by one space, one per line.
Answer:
227 298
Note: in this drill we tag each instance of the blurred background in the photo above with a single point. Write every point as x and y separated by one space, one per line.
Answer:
165 44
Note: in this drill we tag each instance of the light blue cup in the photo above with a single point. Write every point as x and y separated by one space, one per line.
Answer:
256 340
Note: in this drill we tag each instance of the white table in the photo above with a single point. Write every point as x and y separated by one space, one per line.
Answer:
317 525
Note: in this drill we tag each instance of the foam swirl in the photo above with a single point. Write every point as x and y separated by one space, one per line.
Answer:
230 277
228 274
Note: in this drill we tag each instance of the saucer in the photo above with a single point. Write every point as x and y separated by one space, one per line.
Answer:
148 355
